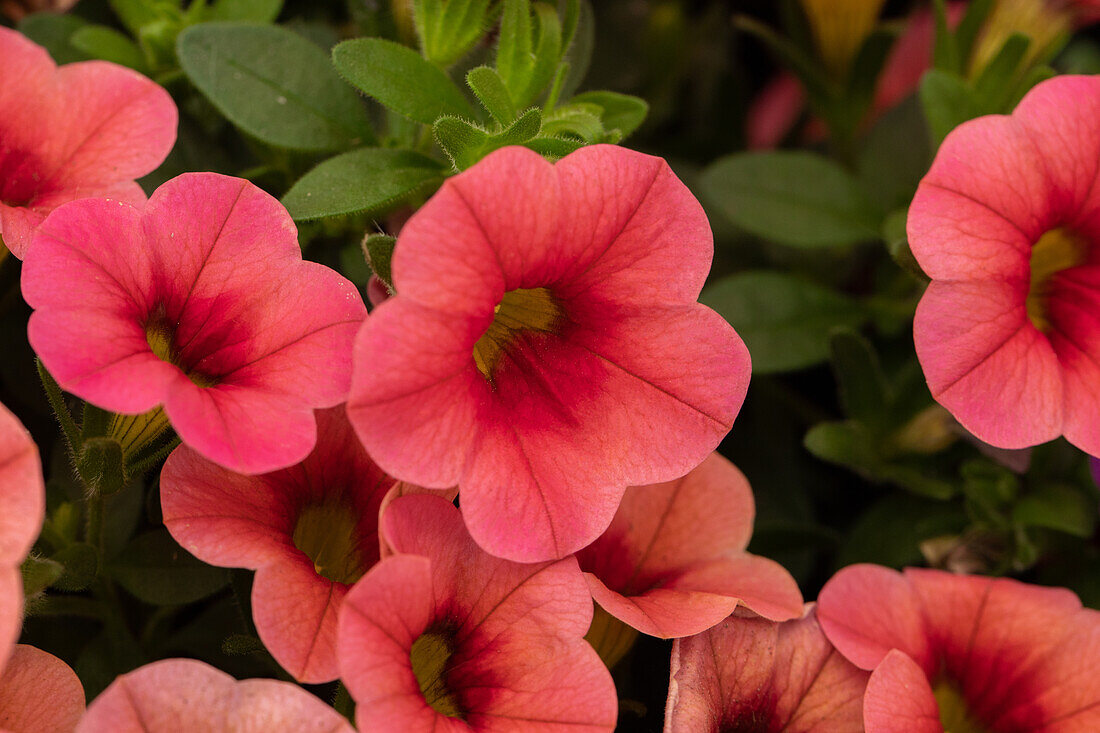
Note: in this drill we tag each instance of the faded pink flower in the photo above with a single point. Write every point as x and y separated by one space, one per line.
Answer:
673 561
84 129
444 637
309 531
198 302
754 675
183 695
1006 224
965 653
545 348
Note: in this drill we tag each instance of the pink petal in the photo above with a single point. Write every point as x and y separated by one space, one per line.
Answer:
1075 338
991 633
385 613
761 675
982 204
176 695
672 562
899 698
22 490
39 693
631 232
295 615
987 364
86 129
850 611
216 261
774 112
223 518
493 592
419 423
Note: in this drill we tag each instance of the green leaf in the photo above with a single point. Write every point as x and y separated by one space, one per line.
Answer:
864 393
80 562
554 147
915 477
621 112
578 50
447 29
895 155
784 320
1059 507
369 179
274 85
462 141
158 571
843 443
994 87
890 532
547 54
515 60
945 52
947 103
378 251
39 573
54 33
138 14
489 88
966 33
581 120
795 198
257 11
399 78
102 42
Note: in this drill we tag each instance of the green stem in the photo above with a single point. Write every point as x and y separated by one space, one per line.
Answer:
93 531
144 464
60 410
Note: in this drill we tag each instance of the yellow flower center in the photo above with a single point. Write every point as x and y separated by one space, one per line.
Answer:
840 27
430 654
610 637
328 534
954 712
520 310
161 338
1057 250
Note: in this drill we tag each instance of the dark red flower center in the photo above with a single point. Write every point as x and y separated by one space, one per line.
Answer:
521 310
328 534
431 658
161 336
1057 250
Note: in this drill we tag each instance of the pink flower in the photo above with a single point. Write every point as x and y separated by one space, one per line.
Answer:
751 674
309 531
200 302
673 561
178 695
38 692
960 652
545 348
85 129
1005 223
444 637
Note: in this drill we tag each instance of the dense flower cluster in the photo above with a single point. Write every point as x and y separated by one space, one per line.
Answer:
463 507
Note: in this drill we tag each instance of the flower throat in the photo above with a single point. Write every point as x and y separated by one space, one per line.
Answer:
523 309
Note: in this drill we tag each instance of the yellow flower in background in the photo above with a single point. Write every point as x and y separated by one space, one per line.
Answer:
840 27
1044 21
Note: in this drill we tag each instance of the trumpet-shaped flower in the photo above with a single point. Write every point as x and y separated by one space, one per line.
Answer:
84 129
444 637
751 674
310 531
965 653
1006 224
545 349
176 695
198 302
673 561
